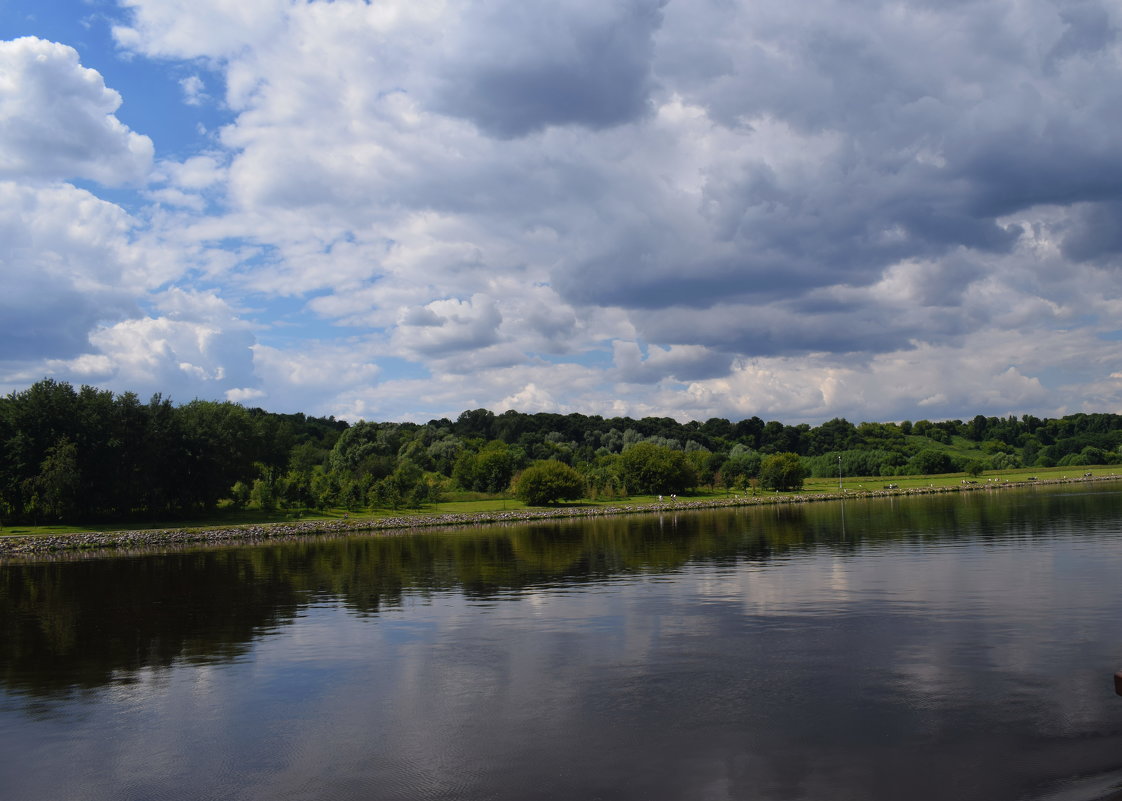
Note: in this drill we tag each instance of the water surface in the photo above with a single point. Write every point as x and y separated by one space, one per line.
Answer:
953 647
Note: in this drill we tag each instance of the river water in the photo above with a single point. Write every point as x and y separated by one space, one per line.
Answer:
953 647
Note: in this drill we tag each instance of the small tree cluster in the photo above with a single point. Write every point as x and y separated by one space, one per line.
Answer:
648 468
782 471
547 482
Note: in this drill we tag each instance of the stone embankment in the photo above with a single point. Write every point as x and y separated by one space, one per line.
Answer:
39 546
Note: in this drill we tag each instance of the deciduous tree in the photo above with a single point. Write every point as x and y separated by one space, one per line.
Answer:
782 471
547 482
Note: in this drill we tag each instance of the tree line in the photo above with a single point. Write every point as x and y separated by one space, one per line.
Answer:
88 454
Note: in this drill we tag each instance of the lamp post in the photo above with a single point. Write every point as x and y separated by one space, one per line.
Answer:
839 473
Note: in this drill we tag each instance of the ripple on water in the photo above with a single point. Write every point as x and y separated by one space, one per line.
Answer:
1100 787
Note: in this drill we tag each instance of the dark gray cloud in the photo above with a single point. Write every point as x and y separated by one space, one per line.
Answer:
933 300
517 68
1087 29
690 363
782 332
759 240
1096 233
41 320
924 129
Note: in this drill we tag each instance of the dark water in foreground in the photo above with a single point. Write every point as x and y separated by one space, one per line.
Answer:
958 647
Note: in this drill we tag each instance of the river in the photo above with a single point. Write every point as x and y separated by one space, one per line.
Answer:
946 647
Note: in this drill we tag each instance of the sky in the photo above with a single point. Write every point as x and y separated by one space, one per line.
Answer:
403 209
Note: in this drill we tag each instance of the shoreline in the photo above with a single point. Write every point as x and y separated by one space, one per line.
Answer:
19 547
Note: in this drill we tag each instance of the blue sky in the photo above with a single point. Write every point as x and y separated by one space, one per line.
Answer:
401 210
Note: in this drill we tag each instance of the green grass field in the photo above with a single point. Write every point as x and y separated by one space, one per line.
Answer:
470 503
859 483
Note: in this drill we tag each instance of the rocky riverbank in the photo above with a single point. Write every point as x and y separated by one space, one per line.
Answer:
39 547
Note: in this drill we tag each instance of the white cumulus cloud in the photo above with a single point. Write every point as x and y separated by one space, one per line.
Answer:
57 119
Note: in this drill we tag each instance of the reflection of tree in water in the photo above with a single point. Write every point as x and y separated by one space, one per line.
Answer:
81 624
66 625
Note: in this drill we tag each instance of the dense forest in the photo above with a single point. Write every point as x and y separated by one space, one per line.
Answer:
89 454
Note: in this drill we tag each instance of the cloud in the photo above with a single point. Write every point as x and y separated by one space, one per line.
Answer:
680 363
446 327
996 377
67 263
196 172
244 395
57 122
528 400
194 90
684 209
849 144
493 387
320 376
514 69
194 28
196 347
1095 235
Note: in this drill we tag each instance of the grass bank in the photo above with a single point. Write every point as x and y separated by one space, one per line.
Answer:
231 526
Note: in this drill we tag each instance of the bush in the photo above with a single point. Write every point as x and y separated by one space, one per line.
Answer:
547 482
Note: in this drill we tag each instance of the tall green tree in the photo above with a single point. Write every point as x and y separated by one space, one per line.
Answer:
58 485
220 445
